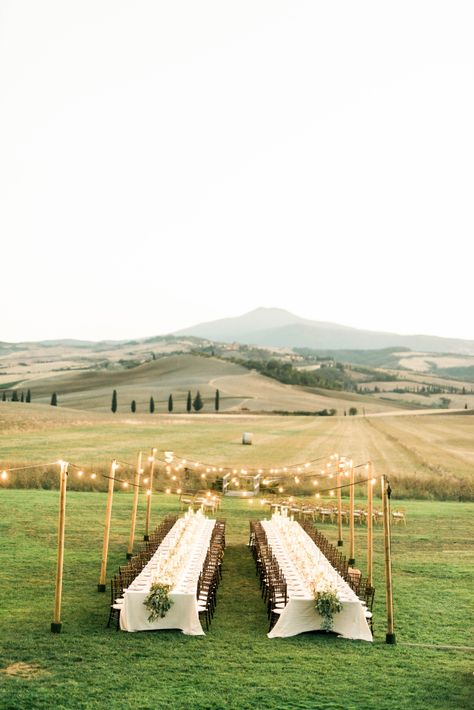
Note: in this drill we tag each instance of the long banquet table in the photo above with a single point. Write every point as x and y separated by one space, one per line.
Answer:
183 613
288 540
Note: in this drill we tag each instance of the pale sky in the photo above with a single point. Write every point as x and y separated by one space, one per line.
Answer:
165 163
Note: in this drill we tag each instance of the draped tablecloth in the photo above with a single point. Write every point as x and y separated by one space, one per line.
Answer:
299 614
183 613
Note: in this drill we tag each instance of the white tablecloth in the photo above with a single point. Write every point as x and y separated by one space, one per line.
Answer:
299 615
183 613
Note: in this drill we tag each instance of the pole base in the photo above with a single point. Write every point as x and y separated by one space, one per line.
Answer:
55 628
390 638
101 587
351 562
340 543
129 555
146 538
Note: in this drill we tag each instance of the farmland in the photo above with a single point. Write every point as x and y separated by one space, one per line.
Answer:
424 455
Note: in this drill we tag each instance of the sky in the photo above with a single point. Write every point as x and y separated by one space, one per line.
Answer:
167 163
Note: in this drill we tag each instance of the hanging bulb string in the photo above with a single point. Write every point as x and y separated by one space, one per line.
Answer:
26 468
255 470
348 485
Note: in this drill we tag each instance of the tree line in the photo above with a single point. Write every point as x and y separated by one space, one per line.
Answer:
17 396
195 403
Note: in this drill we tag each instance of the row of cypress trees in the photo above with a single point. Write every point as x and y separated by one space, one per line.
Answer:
15 397
197 403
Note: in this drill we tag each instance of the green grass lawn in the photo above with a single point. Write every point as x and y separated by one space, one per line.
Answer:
235 665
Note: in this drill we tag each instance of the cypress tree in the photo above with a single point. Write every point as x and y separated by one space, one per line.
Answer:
22 397
28 395
197 403
14 396
114 401
4 396
152 405
170 403
54 400
189 402
216 401
133 406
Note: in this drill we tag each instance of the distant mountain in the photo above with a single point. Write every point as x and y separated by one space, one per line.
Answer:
277 327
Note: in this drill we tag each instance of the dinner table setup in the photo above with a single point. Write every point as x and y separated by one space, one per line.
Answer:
164 593
317 597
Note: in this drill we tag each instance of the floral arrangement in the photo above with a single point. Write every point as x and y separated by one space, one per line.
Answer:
158 602
327 604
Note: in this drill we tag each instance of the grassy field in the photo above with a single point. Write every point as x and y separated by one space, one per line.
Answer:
235 665
427 456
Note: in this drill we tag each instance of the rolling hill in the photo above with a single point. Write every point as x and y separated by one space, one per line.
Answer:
279 328
240 389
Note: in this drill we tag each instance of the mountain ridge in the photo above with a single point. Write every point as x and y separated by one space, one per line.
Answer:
279 328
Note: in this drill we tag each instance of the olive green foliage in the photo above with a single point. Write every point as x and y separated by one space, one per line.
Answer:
198 404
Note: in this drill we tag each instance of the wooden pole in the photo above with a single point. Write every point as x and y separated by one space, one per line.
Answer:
369 524
151 459
136 483
56 624
351 516
340 541
390 635
108 517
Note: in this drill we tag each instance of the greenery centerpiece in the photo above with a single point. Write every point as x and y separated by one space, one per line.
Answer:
326 603
158 601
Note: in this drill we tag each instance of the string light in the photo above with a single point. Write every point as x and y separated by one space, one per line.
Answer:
4 475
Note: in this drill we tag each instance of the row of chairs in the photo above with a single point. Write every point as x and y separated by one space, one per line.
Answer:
359 584
209 501
272 581
211 574
127 573
328 513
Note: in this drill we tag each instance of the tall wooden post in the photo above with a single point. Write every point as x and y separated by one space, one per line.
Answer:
108 517
56 624
136 483
369 524
151 460
351 516
340 541
390 635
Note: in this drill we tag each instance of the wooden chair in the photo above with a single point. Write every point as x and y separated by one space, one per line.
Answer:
398 516
116 601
